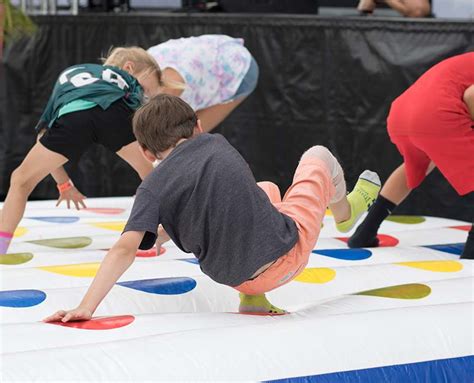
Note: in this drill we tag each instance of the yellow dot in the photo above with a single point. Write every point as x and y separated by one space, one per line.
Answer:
438 266
408 291
328 212
79 270
20 231
115 226
316 275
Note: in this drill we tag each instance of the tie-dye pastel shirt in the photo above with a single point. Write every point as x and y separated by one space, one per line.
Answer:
212 66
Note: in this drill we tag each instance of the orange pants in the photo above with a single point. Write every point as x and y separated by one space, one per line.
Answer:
305 202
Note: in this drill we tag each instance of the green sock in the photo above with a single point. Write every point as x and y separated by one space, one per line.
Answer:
363 195
258 304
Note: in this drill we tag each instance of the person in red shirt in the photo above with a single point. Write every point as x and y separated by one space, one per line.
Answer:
432 125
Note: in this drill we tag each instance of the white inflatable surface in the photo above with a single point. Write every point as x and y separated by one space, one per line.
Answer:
402 313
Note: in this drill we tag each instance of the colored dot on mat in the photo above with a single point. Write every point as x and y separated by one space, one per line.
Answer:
21 298
105 210
162 286
450 248
407 219
82 270
106 323
346 254
462 227
408 291
64 243
15 258
150 253
316 275
115 226
56 219
384 240
190 260
20 231
437 266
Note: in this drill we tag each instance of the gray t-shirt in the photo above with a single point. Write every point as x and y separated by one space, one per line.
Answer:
207 200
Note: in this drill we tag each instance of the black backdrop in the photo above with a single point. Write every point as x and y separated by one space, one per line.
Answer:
323 81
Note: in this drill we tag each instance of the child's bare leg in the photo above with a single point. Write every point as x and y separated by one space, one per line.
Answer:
396 188
37 165
214 115
347 209
132 155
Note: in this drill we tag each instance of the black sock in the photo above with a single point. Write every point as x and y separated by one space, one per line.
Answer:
468 252
366 233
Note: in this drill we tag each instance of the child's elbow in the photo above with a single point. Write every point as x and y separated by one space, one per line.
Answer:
124 250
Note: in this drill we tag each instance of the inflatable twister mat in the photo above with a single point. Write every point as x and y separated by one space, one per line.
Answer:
400 312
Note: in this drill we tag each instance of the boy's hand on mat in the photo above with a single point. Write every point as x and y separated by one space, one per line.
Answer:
163 237
78 314
72 195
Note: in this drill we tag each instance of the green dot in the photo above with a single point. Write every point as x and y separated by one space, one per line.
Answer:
408 291
64 243
15 258
408 219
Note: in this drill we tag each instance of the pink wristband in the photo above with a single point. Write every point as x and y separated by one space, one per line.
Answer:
65 186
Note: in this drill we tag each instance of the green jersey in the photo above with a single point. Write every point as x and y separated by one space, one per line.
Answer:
84 86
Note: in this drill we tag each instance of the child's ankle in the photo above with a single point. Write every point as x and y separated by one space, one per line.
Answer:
5 239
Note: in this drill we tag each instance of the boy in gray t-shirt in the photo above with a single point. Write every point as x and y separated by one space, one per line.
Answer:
208 202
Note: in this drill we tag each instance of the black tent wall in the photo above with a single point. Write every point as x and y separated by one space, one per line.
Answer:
326 81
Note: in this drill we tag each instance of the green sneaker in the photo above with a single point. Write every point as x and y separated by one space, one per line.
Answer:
361 198
258 305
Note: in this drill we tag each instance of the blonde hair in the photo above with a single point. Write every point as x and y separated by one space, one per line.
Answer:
144 62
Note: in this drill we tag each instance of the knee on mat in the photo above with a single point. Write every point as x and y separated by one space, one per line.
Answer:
323 154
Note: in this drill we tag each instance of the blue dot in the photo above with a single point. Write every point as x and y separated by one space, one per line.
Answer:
346 254
190 260
21 298
451 248
162 286
56 219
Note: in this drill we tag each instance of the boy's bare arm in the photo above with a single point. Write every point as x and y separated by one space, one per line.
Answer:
469 100
115 263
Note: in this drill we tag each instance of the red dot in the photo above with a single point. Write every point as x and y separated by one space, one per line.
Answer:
387 240
101 323
384 240
462 227
150 253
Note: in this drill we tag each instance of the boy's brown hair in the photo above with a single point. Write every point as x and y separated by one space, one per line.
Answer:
162 122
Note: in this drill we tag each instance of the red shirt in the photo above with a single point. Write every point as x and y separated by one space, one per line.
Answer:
434 103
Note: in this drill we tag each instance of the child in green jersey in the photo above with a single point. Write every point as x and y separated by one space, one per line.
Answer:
90 103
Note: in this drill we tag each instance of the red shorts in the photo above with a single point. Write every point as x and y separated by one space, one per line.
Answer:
452 155
431 122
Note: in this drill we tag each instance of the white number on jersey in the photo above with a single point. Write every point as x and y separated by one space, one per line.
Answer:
85 78
82 79
114 78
